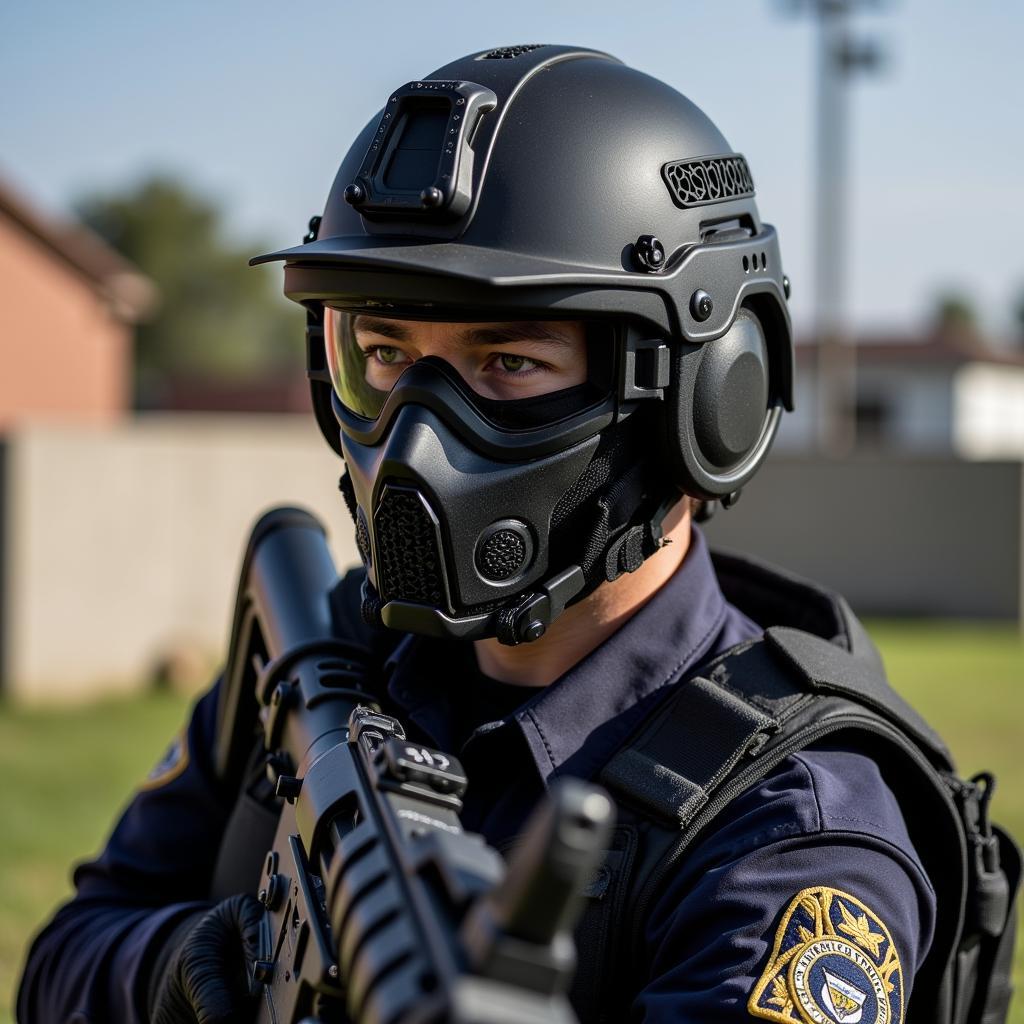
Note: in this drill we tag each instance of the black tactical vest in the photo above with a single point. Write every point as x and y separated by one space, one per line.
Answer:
814 674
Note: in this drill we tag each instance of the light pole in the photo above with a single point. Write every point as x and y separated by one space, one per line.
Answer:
839 56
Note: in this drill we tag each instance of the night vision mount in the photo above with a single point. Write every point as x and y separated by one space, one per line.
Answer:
420 161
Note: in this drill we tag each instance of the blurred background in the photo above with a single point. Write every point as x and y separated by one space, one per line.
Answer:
152 399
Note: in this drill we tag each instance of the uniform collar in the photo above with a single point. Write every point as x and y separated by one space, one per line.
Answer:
576 723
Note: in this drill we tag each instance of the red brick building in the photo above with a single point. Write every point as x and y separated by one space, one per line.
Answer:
67 306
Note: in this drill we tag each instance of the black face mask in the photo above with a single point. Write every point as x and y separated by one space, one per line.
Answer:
465 537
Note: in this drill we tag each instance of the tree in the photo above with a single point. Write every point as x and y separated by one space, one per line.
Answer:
954 312
1018 319
218 318
955 321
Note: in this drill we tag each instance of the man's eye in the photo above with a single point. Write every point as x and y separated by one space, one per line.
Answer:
387 354
514 364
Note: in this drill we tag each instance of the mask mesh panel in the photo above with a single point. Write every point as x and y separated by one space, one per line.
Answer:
615 453
362 537
618 488
408 562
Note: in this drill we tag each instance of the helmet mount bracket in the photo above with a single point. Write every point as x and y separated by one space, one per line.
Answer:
420 160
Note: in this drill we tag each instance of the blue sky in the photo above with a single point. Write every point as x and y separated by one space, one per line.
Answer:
256 102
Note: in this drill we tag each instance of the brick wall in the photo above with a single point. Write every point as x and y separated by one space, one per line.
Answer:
63 355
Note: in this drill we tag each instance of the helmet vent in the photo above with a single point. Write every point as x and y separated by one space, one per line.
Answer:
408 566
711 179
510 52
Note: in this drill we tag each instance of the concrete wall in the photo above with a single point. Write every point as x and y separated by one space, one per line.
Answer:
121 545
124 543
899 535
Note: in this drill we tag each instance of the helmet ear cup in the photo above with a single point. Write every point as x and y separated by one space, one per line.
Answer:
723 409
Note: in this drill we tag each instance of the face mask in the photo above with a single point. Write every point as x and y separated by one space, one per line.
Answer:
484 517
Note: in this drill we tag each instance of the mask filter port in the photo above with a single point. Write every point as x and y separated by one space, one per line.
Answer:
504 551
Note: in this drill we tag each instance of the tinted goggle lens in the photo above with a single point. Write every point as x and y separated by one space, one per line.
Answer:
519 375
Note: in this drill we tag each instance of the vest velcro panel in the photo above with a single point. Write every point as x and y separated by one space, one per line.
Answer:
673 782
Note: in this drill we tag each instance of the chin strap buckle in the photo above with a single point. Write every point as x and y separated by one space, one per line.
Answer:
636 544
528 620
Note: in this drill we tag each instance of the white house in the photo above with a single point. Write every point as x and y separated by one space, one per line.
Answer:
942 395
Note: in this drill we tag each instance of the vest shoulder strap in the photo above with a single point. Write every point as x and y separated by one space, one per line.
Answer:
827 667
751 704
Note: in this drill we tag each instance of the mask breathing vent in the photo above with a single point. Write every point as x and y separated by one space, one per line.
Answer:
504 550
408 566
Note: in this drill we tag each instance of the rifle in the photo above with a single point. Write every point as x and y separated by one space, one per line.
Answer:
380 909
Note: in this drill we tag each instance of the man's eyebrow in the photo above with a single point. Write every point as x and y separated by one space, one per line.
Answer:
489 334
393 329
505 334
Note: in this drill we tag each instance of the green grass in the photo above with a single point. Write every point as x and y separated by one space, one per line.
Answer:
968 681
67 772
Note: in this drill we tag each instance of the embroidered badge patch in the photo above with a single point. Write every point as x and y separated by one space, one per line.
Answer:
833 962
170 766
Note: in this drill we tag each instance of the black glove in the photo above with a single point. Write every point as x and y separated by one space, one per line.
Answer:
203 974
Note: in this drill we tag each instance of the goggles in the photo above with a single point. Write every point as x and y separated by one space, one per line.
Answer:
517 376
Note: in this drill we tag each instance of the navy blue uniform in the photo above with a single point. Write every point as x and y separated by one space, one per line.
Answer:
819 843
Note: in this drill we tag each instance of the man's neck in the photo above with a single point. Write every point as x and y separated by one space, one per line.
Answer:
586 625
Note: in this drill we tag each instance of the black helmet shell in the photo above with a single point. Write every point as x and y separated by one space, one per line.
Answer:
570 166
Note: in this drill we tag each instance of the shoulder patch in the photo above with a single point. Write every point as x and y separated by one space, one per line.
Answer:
171 765
833 962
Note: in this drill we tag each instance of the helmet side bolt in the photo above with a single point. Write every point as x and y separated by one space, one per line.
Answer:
649 253
701 305
431 196
355 194
785 285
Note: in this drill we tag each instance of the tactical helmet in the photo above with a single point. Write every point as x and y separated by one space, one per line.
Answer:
540 183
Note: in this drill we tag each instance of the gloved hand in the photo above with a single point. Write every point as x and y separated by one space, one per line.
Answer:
204 974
